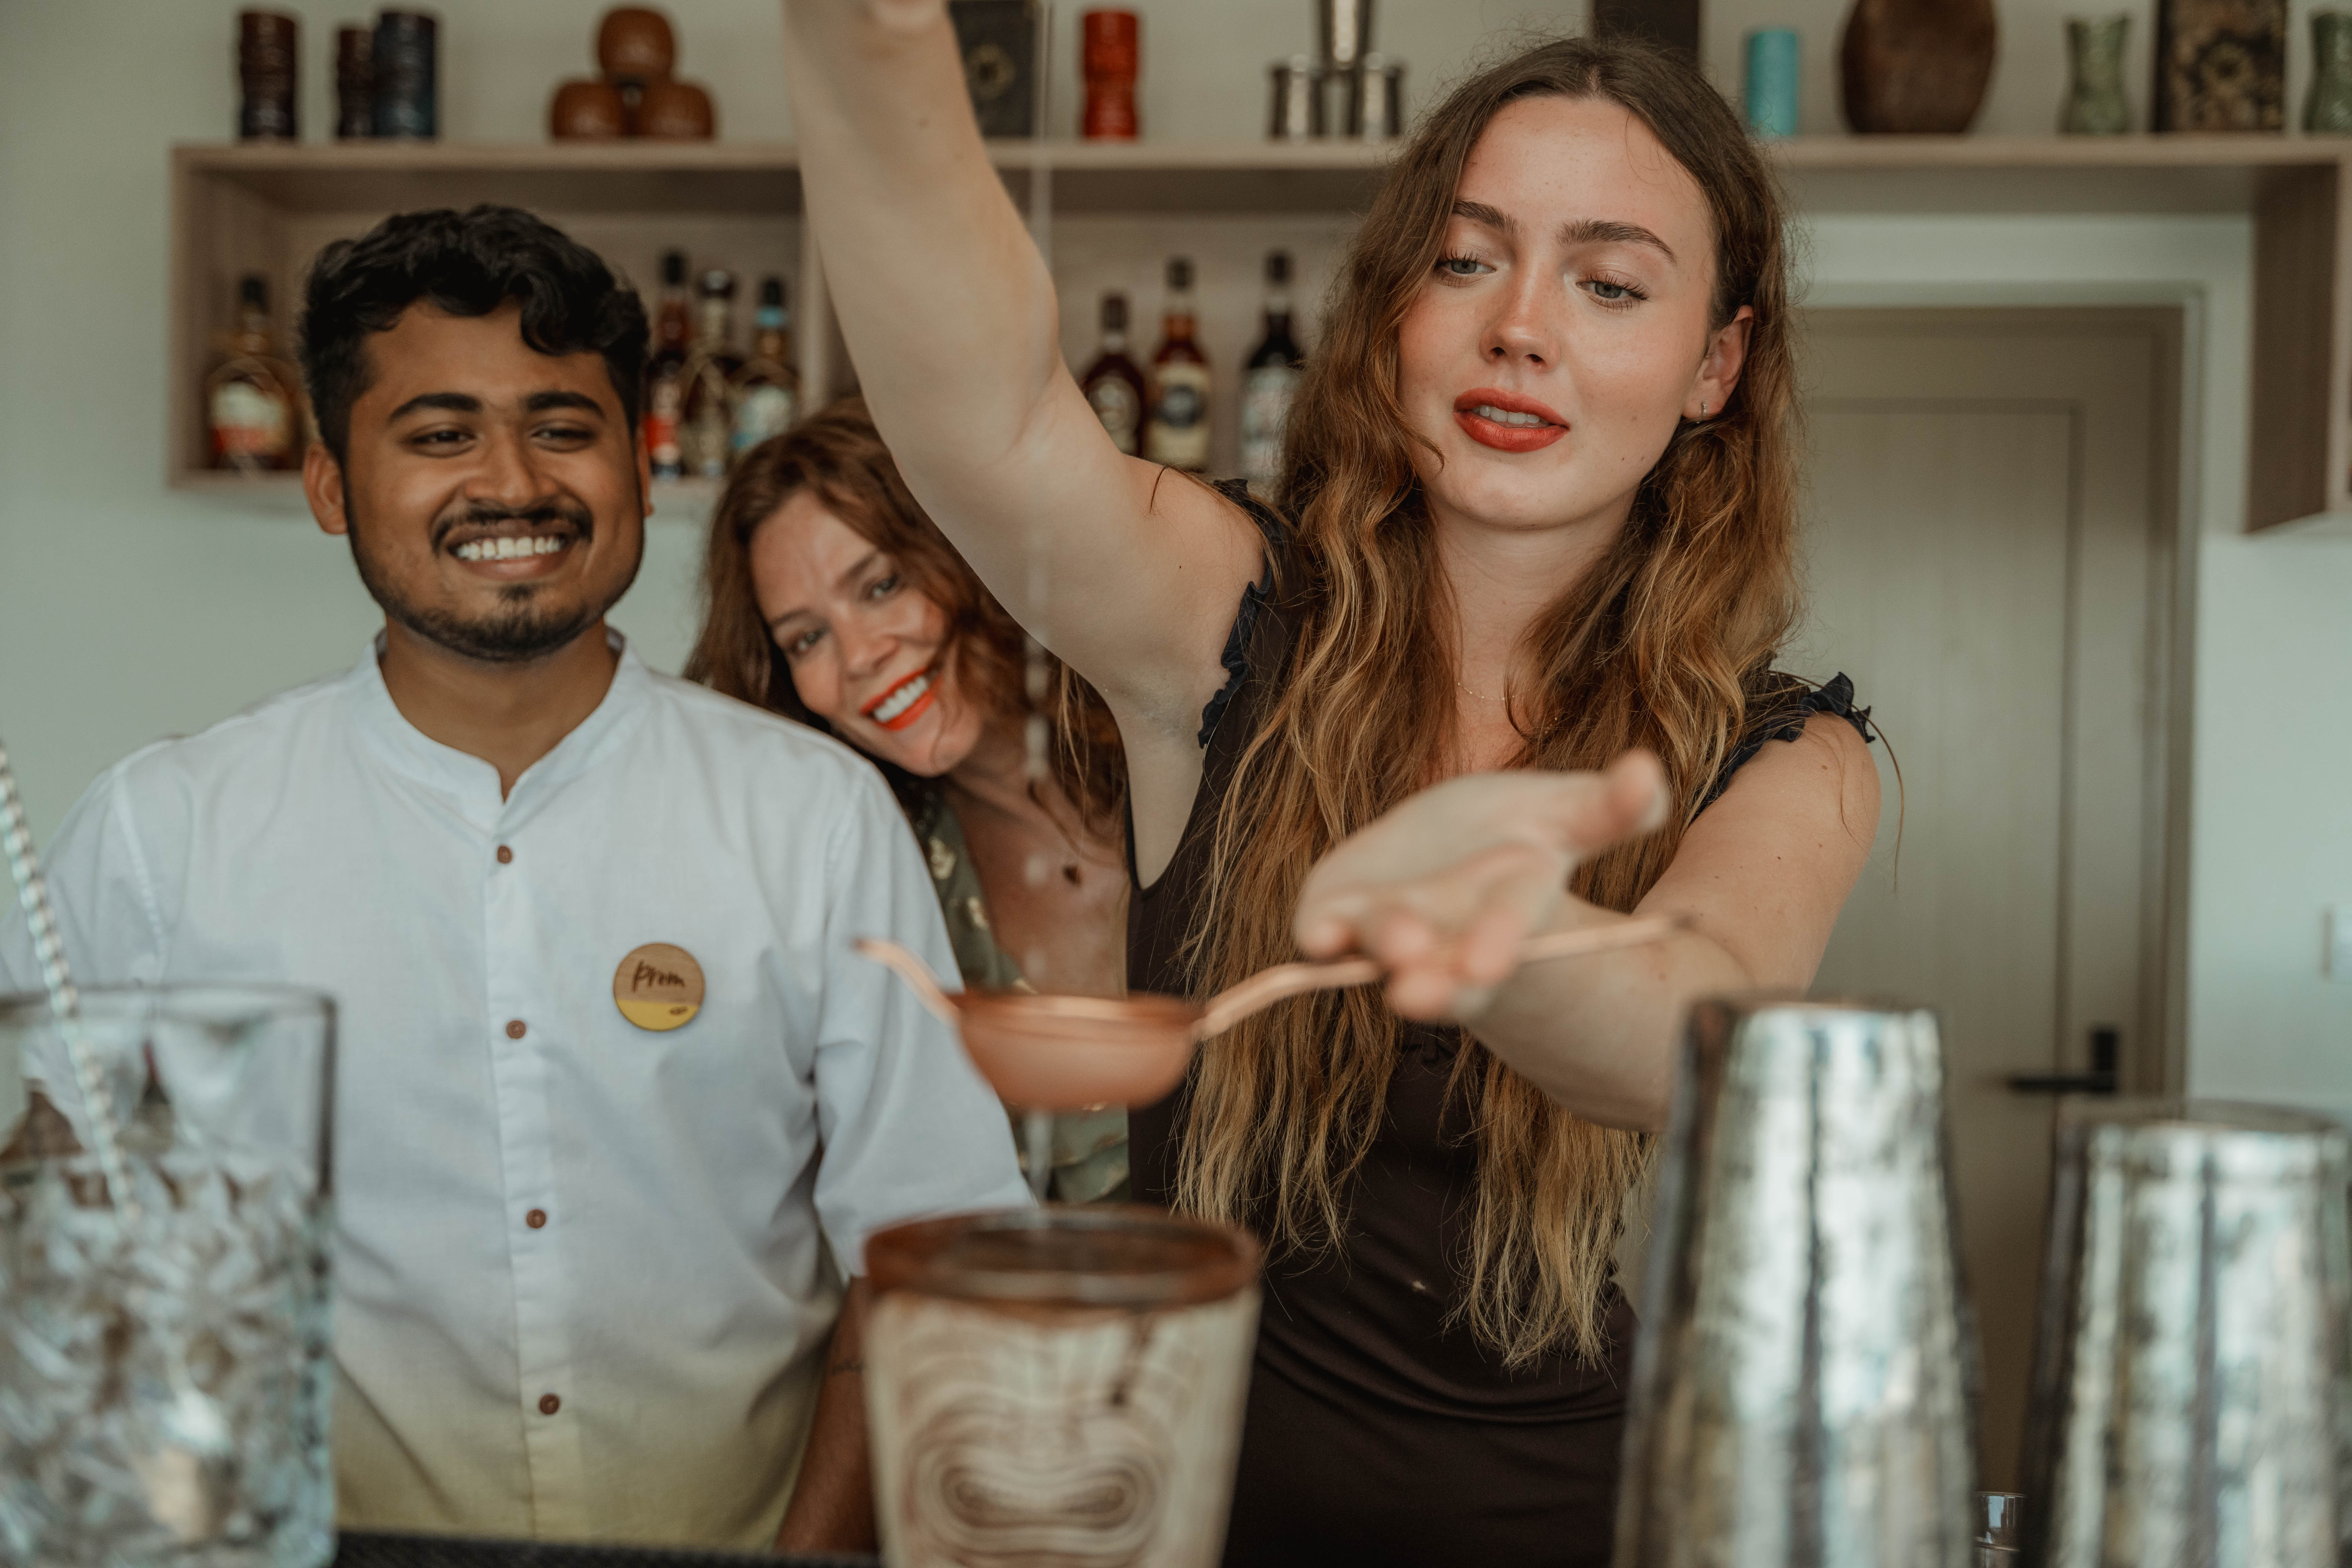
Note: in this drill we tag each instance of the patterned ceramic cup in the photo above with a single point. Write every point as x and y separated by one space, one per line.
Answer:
1057 1385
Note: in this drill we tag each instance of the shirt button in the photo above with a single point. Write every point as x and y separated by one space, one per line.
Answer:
548 1404
514 1028
536 1219
506 855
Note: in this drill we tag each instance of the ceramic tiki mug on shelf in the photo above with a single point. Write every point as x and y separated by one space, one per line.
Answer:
2220 65
2328 109
2096 105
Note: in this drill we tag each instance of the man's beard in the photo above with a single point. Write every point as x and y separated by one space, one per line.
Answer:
522 629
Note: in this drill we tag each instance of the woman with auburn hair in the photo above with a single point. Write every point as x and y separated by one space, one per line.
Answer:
1501 662
830 598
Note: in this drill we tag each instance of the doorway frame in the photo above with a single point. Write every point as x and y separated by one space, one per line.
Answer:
2156 1062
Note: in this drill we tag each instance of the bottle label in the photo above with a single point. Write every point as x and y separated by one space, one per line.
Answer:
1120 411
1178 432
664 402
762 410
1265 408
251 427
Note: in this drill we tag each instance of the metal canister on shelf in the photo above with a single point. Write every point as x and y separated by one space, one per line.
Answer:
355 83
268 66
2192 1378
1344 29
1378 99
1296 107
407 87
1799 1388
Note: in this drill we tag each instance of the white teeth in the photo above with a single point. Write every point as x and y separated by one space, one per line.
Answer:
510 547
1500 417
901 699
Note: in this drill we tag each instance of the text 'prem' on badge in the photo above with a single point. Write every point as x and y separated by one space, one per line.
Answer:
658 986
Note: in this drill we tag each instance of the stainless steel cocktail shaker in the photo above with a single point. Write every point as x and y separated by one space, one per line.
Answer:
1801 1384
2192 1395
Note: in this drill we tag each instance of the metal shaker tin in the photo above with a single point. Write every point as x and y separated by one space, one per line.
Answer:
1295 106
1800 1385
1378 99
2192 1390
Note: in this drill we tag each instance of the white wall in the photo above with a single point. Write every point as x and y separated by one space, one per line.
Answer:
128 611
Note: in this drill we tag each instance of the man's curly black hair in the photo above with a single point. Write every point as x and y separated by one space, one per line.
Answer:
468 264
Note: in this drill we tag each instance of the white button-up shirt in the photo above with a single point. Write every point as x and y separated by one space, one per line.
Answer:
580 1287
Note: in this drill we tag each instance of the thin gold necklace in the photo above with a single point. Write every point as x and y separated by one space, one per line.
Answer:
1479 695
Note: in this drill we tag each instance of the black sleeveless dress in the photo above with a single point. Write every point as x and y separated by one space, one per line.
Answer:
1377 1433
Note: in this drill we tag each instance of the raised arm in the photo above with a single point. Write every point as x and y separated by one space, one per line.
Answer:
951 318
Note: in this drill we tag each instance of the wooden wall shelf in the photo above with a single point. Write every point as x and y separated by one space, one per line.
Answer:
268 208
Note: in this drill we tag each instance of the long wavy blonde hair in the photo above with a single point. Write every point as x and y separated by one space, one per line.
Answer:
1667 643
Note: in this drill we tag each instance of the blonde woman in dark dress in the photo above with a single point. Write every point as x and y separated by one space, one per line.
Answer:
1500 659
830 598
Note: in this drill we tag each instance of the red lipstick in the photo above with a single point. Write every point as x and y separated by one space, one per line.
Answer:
1474 410
903 711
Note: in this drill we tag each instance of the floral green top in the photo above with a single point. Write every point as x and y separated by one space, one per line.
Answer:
1089 1146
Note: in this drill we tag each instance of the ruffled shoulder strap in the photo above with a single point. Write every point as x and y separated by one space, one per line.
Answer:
1778 712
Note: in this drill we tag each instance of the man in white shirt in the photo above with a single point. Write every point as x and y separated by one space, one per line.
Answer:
609 1079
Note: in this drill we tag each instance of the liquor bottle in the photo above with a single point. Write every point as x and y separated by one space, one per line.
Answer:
1271 379
1114 383
253 404
767 389
665 402
708 432
1178 431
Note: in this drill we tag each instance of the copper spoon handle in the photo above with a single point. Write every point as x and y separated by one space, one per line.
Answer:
914 971
1268 987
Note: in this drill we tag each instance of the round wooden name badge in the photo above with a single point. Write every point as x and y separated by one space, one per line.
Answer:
658 986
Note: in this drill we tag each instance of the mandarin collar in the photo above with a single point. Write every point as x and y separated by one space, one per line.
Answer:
472 783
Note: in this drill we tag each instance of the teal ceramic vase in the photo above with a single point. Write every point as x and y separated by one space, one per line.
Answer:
2329 107
2096 105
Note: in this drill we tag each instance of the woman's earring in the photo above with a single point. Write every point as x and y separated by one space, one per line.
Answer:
1702 411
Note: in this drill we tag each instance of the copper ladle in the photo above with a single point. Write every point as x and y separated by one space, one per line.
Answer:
1075 1053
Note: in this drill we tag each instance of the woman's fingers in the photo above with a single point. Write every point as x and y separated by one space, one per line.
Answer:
1443 889
906 15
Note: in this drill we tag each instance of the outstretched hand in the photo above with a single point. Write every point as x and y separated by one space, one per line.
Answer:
1443 889
906 15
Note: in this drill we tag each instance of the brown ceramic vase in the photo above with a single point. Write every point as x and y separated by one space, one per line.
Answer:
587 111
635 45
675 110
1917 68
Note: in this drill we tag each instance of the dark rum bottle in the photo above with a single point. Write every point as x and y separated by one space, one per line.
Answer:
767 389
253 402
1270 380
1114 383
665 407
708 432
1177 433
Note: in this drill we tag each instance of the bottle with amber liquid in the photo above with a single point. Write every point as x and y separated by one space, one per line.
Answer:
1114 383
1269 380
767 389
665 400
253 401
708 432
1177 433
